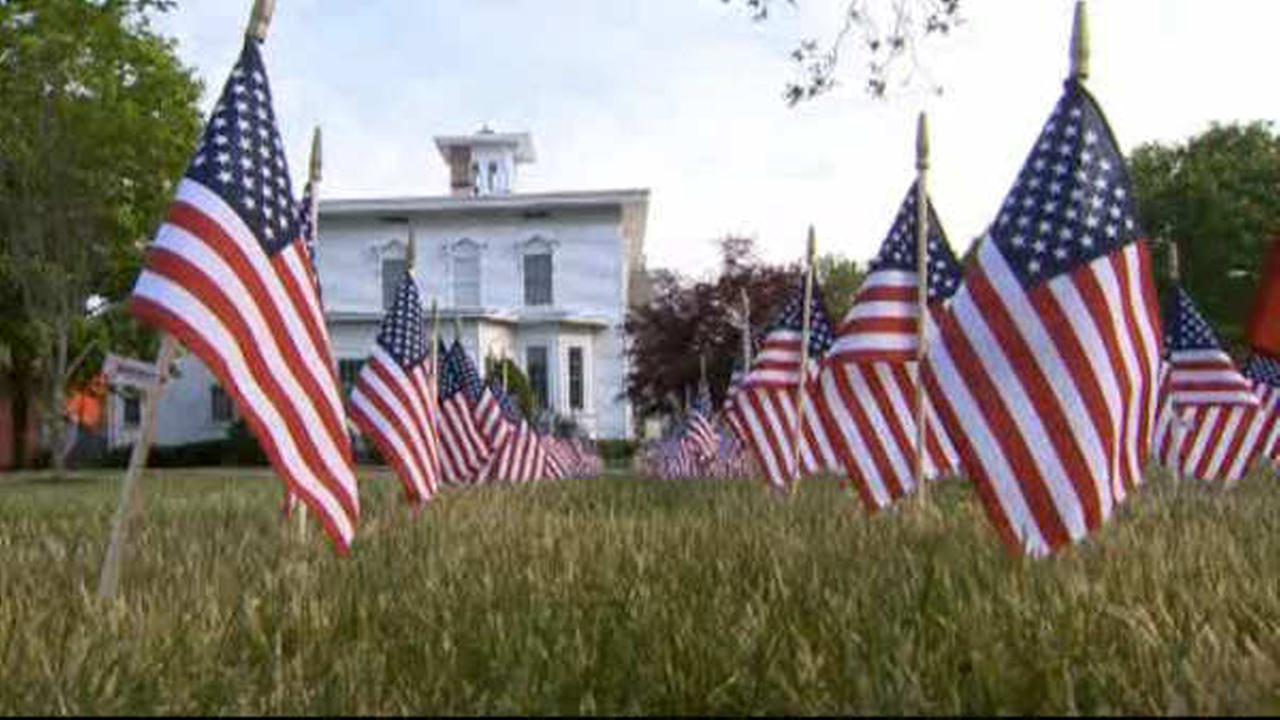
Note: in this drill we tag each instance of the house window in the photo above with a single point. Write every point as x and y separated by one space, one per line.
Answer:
220 410
466 276
493 177
536 368
348 371
393 270
577 390
537 279
132 410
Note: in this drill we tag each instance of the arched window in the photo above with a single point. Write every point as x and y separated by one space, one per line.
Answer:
466 273
493 177
393 264
537 266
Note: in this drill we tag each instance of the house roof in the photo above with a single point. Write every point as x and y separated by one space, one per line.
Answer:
449 203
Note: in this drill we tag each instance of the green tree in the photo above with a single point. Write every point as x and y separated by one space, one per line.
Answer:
97 120
508 374
840 278
1216 197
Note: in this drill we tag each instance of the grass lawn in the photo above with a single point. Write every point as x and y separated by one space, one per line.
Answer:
623 596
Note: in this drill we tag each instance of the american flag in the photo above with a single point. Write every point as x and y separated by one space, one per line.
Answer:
521 457
229 276
1200 371
1214 421
1043 367
700 434
464 449
766 403
863 407
394 400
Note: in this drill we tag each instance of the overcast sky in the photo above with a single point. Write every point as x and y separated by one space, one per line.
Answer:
684 97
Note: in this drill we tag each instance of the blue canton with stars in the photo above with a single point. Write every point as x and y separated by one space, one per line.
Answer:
1184 327
1263 369
792 318
898 252
1073 201
403 331
459 375
241 156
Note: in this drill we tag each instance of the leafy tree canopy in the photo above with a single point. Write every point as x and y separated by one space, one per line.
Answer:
98 118
1216 197
691 320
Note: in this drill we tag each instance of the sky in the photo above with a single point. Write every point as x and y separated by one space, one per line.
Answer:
684 97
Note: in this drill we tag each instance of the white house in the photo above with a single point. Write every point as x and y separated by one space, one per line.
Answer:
542 278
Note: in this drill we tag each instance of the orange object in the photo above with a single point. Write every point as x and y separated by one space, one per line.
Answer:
1264 324
85 407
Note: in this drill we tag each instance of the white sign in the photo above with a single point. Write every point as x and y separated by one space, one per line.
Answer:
130 372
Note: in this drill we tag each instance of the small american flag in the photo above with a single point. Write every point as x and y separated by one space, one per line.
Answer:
1043 366
700 434
394 400
230 276
1200 371
1214 421
520 456
863 408
464 450
766 404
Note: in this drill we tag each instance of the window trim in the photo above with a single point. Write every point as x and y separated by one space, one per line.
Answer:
458 250
216 391
582 379
537 244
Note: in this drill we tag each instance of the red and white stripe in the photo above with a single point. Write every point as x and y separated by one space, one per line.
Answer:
464 451
1050 393
256 322
1207 377
862 417
520 459
397 410
765 407
1219 443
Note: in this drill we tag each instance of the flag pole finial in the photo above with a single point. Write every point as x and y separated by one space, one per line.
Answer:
922 141
1080 43
260 20
317 159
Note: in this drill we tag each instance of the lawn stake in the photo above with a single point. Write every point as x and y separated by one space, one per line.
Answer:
131 489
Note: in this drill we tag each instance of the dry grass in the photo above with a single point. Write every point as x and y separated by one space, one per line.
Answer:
619 596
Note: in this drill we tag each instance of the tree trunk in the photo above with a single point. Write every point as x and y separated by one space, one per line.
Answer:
55 419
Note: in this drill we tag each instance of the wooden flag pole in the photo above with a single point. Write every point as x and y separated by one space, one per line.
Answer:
922 296
260 20
130 489
1175 275
746 333
806 319
315 171
1080 49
